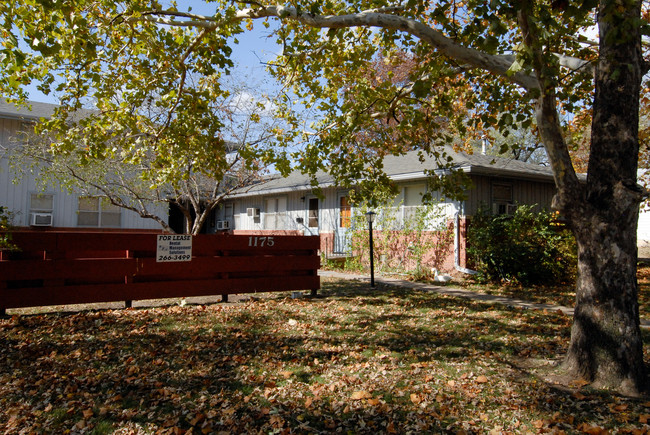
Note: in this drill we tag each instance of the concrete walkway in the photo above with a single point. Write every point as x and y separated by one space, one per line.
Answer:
458 292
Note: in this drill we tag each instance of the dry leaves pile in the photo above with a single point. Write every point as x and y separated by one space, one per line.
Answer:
388 361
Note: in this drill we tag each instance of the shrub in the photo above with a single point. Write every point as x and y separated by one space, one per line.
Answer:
5 229
526 247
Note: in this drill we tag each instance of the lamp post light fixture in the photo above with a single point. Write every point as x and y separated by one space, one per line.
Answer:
370 218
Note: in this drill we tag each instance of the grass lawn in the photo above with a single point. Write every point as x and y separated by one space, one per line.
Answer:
354 360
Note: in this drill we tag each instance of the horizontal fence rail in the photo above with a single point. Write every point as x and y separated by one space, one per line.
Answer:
60 268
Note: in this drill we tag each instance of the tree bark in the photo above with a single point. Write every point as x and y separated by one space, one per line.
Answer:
606 344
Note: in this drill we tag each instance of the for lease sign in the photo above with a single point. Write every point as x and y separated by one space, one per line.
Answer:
174 247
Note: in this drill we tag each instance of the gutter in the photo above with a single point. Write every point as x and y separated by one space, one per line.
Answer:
457 247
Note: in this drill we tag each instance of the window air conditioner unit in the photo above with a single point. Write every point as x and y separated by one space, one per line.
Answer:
253 212
41 219
223 225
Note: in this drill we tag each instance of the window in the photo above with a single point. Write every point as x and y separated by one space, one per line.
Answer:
229 214
413 199
501 198
312 215
345 212
502 192
237 218
41 206
275 212
41 203
98 212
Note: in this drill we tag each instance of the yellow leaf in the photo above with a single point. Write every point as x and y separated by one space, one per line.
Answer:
415 398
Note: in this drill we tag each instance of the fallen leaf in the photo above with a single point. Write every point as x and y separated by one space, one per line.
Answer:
578 383
593 430
481 379
359 395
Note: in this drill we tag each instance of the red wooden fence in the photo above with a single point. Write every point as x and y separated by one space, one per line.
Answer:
58 268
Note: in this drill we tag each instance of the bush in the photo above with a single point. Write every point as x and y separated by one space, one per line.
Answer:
526 247
5 229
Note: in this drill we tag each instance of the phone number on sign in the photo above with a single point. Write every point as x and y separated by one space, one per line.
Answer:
185 257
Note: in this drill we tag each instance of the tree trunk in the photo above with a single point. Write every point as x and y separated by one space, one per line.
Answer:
606 345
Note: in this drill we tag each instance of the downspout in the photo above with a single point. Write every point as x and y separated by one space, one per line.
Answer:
457 246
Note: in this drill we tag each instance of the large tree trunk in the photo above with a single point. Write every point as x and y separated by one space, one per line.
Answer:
606 345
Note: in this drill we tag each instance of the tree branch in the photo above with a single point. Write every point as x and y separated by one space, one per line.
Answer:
382 18
547 117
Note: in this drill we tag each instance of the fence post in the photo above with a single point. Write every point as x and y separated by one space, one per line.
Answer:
128 279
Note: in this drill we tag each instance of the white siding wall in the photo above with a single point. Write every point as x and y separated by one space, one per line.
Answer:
16 196
643 228
297 208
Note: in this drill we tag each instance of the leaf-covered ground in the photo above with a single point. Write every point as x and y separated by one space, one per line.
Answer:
562 294
353 360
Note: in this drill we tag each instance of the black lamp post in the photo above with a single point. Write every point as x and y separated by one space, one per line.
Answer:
370 217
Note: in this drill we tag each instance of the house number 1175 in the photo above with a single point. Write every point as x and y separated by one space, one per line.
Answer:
254 241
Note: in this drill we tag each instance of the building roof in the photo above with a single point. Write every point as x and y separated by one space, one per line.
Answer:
409 167
32 111
399 168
